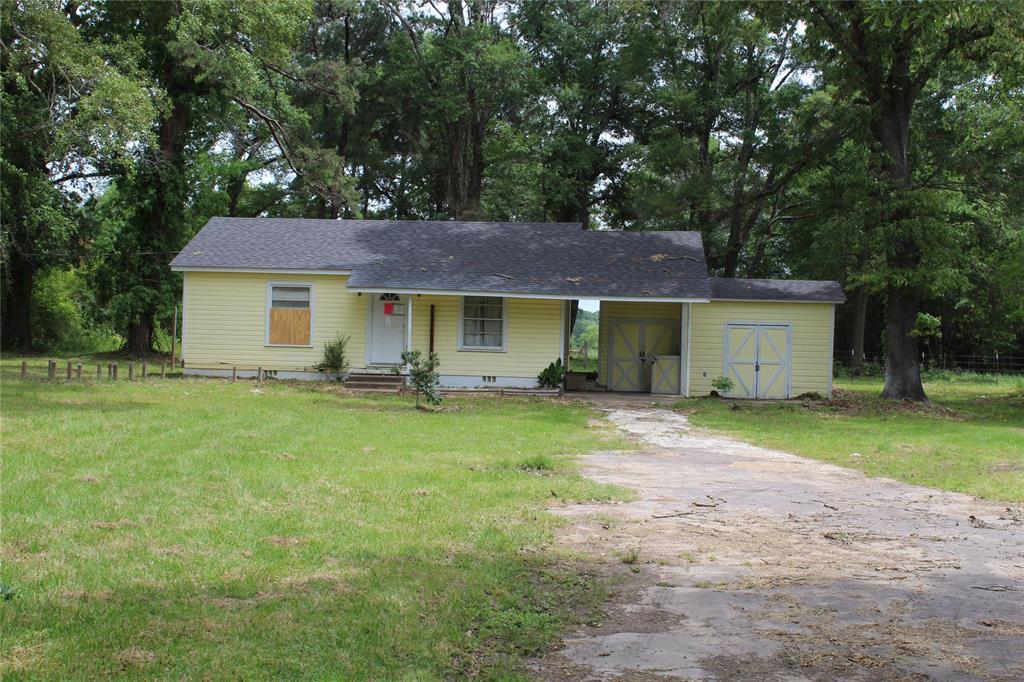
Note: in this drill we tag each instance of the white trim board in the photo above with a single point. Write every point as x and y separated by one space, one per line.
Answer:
831 349
508 294
184 307
264 271
772 300
689 344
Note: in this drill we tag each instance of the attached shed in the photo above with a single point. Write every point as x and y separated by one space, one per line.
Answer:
772 338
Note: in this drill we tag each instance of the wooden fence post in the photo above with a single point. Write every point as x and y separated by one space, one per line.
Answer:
78 371
99 371
51 370
69 370
131 371
115 371
163 370
234 374
143 370
259 374
24 369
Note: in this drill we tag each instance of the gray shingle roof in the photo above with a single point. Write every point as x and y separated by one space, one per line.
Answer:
557 259
776 290
530 258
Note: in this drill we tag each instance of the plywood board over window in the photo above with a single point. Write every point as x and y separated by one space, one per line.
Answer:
289 319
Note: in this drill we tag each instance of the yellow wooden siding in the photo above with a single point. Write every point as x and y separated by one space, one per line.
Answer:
811 334
225 321
630 310
534 337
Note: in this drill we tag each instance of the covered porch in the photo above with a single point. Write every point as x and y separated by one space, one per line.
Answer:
643 348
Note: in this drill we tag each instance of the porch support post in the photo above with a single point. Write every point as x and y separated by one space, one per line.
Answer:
564 336
408 323
682 347
689 336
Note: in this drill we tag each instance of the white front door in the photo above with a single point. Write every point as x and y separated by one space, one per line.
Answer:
387 328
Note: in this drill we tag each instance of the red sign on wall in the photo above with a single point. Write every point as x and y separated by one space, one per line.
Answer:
389 308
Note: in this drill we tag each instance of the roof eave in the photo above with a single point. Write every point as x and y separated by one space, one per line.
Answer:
268 271
776 300
522 294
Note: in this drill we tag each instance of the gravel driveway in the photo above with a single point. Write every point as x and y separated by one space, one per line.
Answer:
752 564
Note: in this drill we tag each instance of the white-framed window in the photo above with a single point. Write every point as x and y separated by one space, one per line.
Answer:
289 314
483 323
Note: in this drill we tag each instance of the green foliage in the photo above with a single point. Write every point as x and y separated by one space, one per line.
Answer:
553 375
335 359
927 327
756 125
423 375
586 332
722 384
63 315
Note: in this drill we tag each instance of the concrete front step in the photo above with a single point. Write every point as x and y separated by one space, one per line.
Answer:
374 382
374 379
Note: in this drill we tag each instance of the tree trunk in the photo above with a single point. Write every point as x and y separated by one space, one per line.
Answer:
16 330
902 371
860 317
140 337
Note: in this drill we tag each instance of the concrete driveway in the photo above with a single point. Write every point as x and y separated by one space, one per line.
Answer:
752 564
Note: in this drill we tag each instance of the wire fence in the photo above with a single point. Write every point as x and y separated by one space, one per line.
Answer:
993 363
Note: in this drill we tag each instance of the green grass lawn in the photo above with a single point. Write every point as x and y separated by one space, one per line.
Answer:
970 440
203 529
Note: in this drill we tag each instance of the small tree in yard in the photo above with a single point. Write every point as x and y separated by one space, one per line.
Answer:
423 375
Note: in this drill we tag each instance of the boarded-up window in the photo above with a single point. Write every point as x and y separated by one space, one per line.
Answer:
289 316
483 323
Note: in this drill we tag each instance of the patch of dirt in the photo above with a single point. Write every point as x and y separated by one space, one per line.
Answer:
115 525
753 564
240 602
134 658
846 402
22 657
1005 468
283 540
173 550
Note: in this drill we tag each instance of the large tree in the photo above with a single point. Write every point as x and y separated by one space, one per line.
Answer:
883 57
225 66
73 110
724 123
471 73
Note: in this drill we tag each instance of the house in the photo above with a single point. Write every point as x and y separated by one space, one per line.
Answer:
494 301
